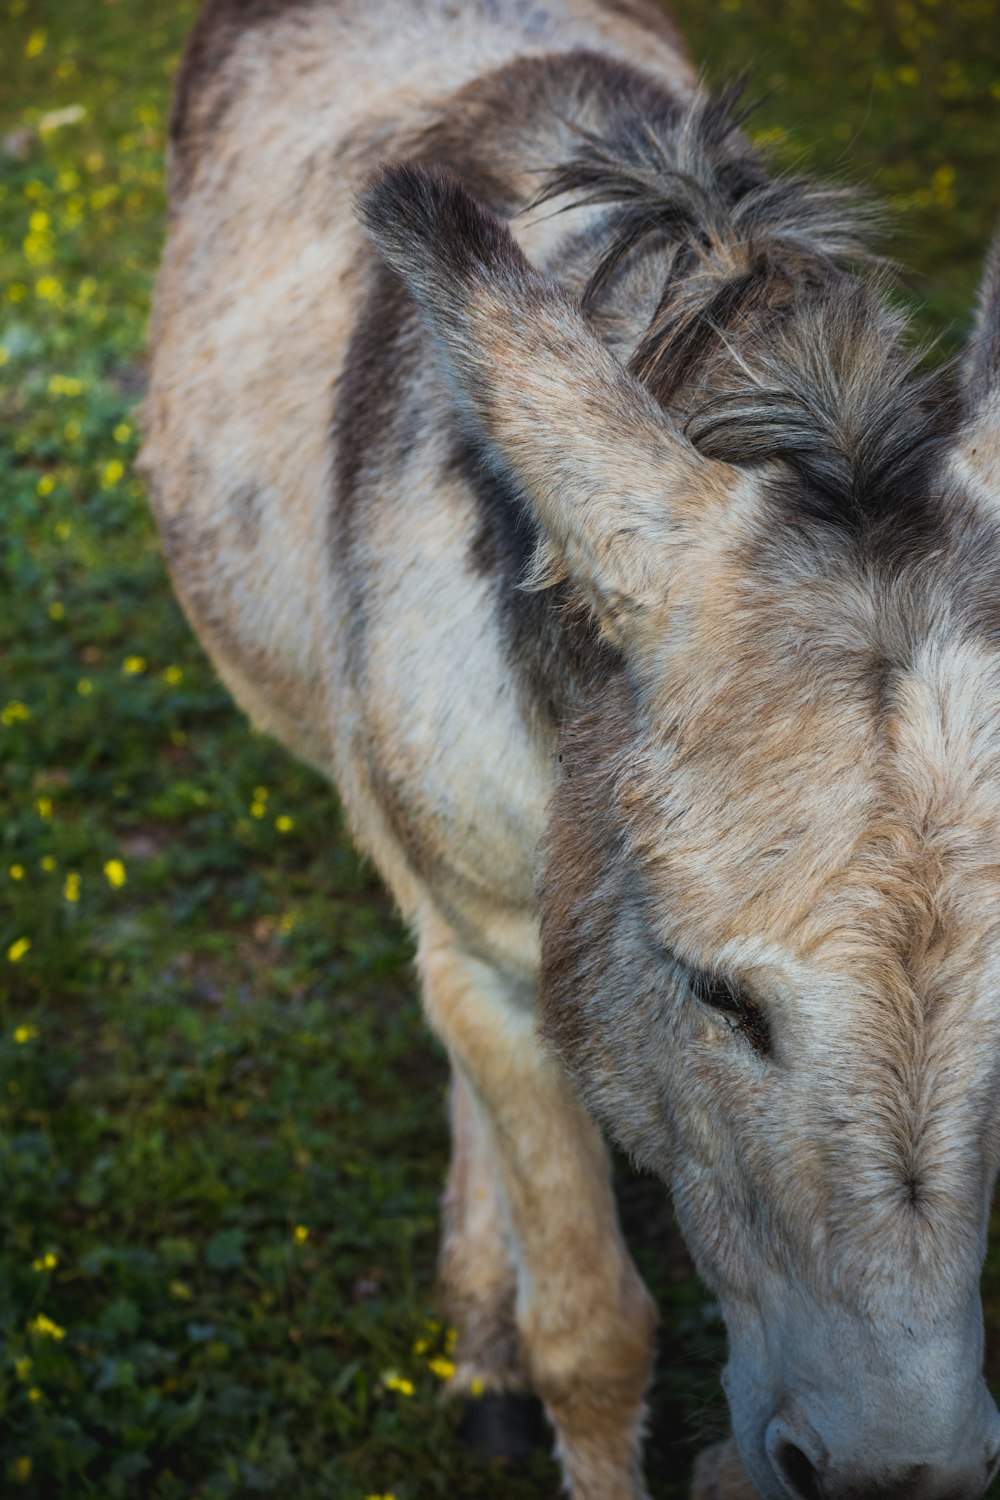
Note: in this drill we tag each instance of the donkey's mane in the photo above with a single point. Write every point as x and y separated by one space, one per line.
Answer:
773 338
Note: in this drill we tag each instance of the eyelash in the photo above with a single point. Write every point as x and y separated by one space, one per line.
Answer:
742 1014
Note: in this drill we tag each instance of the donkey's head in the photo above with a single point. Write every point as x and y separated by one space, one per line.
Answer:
770 931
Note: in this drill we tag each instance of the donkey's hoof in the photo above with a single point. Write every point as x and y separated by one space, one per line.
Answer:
719 1475
504 1425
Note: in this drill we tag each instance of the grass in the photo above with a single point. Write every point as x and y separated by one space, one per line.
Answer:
221 1122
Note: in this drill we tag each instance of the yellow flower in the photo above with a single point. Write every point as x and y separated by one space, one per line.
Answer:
181 1291
132 666
476 1387
65 385
22 1367
942 184
257 809
46 485
393 1382
443 1368
15 953
115 872
49 288
57 610
284 824
46 1328
111 473
260 794
908 75
122 432
35 44
38 251
44 806
85 687
16 872
62 530
24 1034
46 1262
34 1394
173 675
301 1234
14 711
71 890
22 1468
48 863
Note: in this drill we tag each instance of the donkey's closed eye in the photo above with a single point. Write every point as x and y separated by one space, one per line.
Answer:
744 1015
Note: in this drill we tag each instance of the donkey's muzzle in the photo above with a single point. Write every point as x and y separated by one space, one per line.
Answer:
806 1470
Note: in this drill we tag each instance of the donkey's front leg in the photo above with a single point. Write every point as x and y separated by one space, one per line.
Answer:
478 1281
584 1317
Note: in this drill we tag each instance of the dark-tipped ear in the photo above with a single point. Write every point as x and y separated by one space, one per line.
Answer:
607 477
983 368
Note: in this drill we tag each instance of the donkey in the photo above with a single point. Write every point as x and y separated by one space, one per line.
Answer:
587 517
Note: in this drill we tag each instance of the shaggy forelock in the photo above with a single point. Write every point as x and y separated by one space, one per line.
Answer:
765 342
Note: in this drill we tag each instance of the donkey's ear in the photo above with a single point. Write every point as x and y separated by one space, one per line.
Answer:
983 366
610 482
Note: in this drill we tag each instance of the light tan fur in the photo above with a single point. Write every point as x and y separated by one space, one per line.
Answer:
785 774
477 1259
719 1475
590 1368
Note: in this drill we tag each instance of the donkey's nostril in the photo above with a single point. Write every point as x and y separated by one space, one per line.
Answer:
797 1455
797 1471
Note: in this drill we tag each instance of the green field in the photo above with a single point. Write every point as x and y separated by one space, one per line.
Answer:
222 1130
